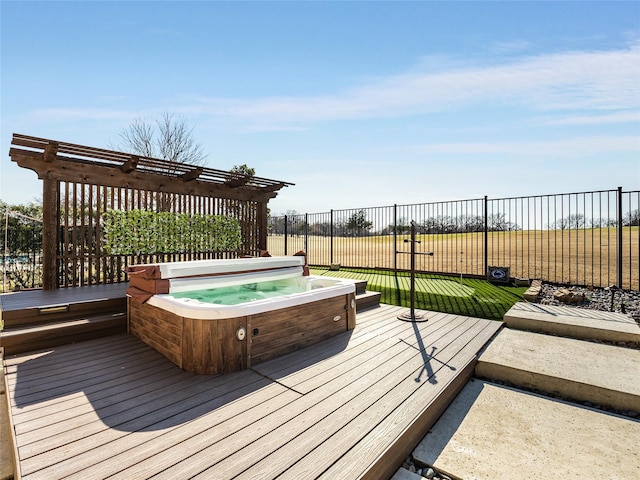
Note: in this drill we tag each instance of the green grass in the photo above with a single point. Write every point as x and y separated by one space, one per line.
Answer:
461 296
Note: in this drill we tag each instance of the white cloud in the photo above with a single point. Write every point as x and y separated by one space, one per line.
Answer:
618 117
573 81
578 147
565 81
510 47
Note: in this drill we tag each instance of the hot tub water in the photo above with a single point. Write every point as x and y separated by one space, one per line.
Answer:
238 294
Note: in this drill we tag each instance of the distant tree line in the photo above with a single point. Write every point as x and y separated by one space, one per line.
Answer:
358 225
579 221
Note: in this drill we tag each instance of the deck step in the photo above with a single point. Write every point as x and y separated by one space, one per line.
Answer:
361 286
26 338
367 300
46 306
573 322
578 370
492 431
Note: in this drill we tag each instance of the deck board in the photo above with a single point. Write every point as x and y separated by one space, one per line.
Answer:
395 412
115 407
352 416
375 350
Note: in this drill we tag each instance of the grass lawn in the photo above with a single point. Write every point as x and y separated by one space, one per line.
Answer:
466 296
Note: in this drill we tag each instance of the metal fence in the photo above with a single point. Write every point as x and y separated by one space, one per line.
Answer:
22 252
583 238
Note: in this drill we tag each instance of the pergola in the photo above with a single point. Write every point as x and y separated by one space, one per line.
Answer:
80 183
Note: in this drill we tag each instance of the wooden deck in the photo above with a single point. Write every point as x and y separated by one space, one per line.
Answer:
23 304
350 407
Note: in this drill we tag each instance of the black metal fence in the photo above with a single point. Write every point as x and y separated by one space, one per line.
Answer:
21 262
584 238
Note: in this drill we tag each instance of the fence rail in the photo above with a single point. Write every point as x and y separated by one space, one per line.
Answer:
583 238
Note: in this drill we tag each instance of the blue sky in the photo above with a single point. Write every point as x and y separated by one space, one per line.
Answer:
358 103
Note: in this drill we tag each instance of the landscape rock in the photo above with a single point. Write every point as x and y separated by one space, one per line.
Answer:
532 293
566 295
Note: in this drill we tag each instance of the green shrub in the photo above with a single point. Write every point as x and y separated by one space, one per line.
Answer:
135 232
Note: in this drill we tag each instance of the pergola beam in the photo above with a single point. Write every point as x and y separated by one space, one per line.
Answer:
130 165
192 175
64 168
50 152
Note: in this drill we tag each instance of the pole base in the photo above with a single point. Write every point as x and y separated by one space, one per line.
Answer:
412 317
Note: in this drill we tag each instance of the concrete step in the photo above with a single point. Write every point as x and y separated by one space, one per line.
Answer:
26 338
574 369
573 322
495 432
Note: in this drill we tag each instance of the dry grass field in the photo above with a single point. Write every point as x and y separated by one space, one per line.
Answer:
581 257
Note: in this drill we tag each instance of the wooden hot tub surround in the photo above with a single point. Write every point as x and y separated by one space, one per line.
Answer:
221 345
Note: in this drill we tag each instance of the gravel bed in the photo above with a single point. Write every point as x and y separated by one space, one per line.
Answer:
423 470
624 301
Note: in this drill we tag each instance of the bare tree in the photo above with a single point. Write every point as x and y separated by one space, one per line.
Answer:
573 221
169 139
632 218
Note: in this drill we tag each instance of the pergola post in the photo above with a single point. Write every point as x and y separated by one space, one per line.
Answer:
262 225
50 222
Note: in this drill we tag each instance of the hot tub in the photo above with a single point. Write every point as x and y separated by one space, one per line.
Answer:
221 316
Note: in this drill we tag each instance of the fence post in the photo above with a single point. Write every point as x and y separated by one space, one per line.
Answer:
395 238
306 234
286 222
485 256
6 250
331 238
619 239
